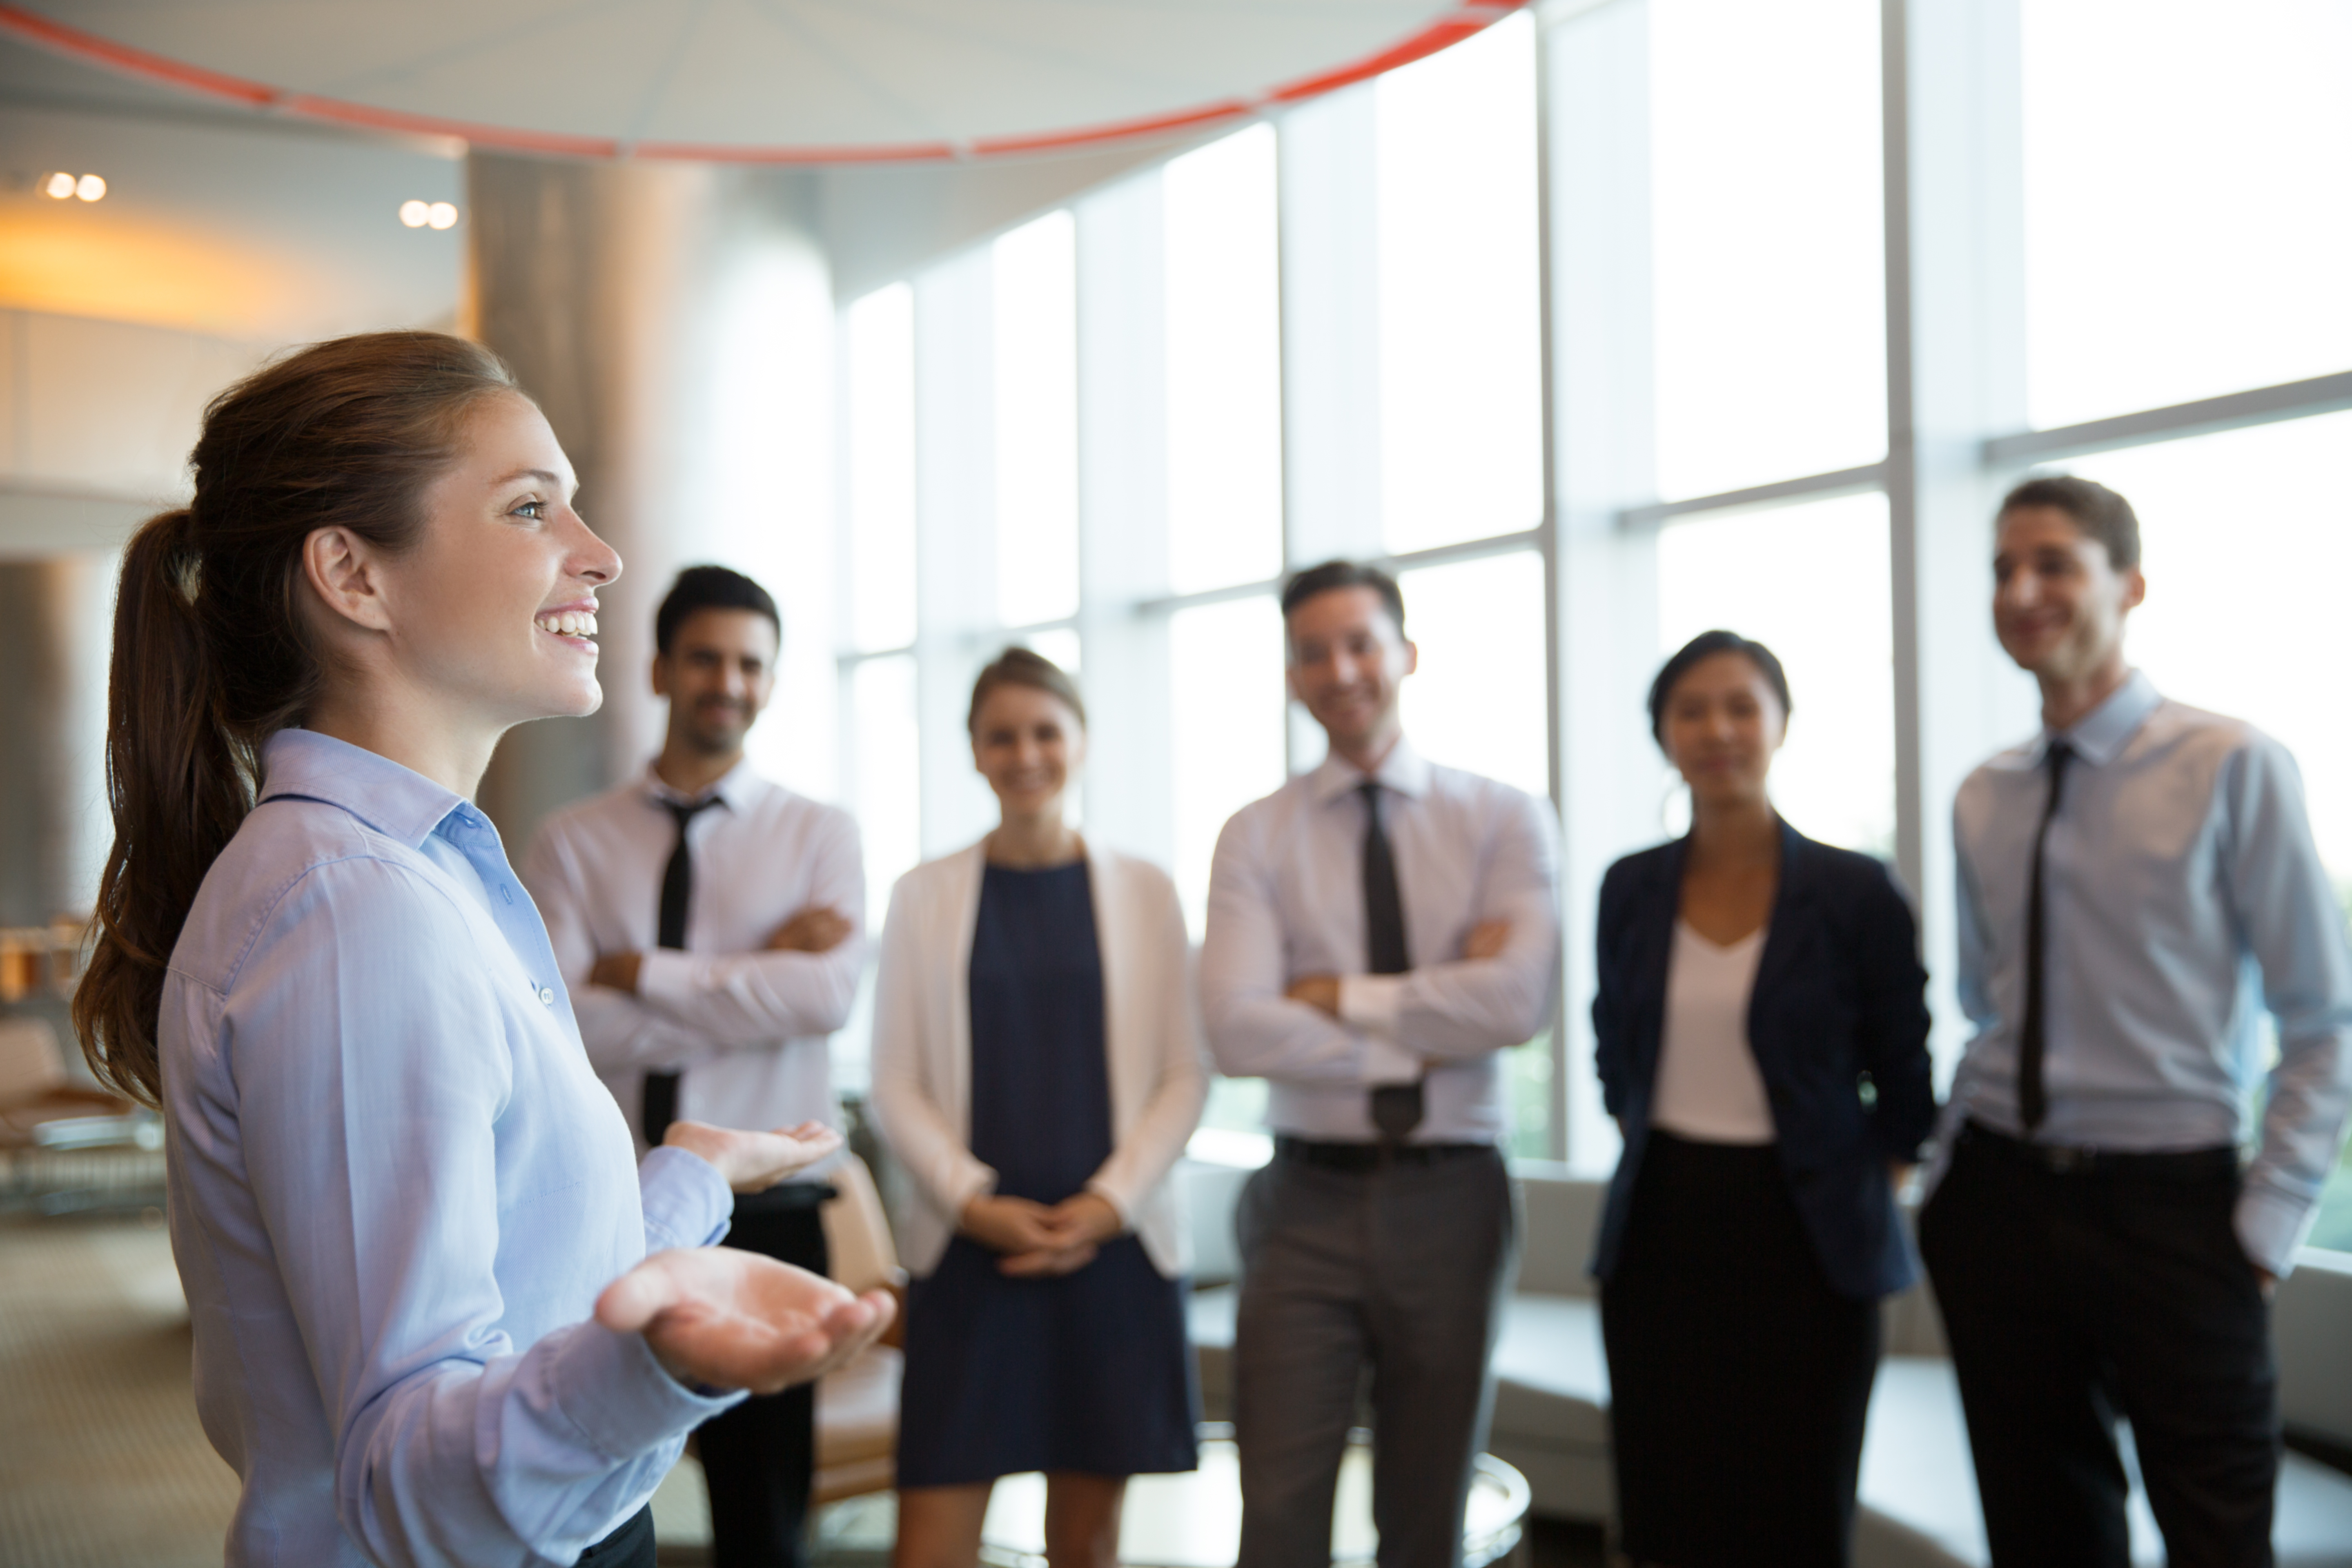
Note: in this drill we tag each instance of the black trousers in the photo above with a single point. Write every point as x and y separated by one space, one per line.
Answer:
630 1546
2072 1297
759 1455
1740 1380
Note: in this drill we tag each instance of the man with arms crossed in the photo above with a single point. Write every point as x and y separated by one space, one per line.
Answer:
2096 1248
1378 929
709 924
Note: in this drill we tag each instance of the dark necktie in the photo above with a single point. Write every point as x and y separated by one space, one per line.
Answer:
2032 1099
660 1105
1396 1107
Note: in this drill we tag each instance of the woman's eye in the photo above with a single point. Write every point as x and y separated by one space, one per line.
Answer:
534 509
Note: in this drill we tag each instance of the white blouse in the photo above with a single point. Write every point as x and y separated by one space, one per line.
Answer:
1708 1087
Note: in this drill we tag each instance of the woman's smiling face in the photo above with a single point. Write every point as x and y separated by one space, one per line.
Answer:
494 610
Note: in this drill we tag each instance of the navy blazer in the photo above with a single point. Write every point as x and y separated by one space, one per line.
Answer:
1838 1020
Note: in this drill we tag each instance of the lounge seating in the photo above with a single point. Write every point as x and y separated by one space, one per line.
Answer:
1918 1491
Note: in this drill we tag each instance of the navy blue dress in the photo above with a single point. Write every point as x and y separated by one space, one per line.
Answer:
1088 1372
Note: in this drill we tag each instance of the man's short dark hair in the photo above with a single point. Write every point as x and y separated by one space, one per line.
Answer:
2097 511
710 588
1333 574
1706 646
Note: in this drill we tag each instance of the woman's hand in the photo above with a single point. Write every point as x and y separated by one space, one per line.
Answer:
1007 1225
717 1318
1079 1225
754 1161
1037 1241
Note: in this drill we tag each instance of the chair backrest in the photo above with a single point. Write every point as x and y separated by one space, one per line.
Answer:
857 1230
30 1063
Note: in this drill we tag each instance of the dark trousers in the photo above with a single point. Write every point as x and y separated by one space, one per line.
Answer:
759 1455
629 1546
1739 1380
2113 1289
1399 1271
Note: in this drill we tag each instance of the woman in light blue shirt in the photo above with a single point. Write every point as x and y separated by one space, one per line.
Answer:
408 1218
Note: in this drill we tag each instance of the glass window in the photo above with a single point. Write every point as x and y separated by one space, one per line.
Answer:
1461 318
1224 364
1768 260
885 750
882 470
2246 539
2188 200
1225 664
1036 340
1813 584
1477 700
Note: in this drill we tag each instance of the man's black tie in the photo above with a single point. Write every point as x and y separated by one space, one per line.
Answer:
2033 1097
660 1105
1396 1107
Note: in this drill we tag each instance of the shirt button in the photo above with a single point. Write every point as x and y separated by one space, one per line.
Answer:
547 994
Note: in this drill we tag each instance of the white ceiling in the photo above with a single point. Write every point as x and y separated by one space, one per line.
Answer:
788 81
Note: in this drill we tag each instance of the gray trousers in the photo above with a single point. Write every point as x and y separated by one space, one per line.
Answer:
1400 1271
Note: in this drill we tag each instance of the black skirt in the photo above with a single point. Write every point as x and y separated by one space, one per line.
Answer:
1739 1381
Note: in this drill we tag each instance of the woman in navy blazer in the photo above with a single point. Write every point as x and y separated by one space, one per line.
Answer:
1762 1033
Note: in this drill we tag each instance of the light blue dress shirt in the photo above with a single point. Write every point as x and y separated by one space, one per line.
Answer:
2183 899
397 1187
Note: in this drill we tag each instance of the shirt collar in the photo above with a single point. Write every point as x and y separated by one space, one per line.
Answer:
397 802
2099 734
735 787
1404 770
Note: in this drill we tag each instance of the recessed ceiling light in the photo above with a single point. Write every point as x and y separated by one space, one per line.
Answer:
441 215
415 214
91 188
61 185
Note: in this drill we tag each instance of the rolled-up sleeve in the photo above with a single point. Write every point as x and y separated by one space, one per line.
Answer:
2287 909
1255 1029
754 999
1465 1007
368 1101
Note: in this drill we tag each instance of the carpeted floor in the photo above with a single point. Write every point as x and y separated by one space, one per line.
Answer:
102 1464
103 1460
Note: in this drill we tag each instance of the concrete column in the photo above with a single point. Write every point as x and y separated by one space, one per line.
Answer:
55 630
676 323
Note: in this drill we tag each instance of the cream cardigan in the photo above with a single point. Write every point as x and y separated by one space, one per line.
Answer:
922 1049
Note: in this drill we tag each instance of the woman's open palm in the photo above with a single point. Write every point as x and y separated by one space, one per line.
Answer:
725 1319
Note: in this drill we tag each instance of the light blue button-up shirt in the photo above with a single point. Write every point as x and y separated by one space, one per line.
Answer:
397 1187
2183 897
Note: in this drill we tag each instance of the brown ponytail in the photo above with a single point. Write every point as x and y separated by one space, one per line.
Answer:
211 654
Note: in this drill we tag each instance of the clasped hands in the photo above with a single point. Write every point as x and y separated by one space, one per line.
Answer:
1486 940
1039 1240
820 928
717 1318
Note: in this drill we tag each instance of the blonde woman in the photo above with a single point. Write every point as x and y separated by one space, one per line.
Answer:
1037 1069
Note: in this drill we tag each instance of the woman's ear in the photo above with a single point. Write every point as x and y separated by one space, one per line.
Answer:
344 571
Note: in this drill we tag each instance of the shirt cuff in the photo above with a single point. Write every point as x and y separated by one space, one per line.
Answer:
1118 1202
664 975
619 1397
1370 1003
2271 1226
687 1202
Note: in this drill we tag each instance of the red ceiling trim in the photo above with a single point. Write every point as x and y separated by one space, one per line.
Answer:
32 27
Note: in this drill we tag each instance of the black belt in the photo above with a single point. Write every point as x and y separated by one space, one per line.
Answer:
1362 1157
2059 1159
